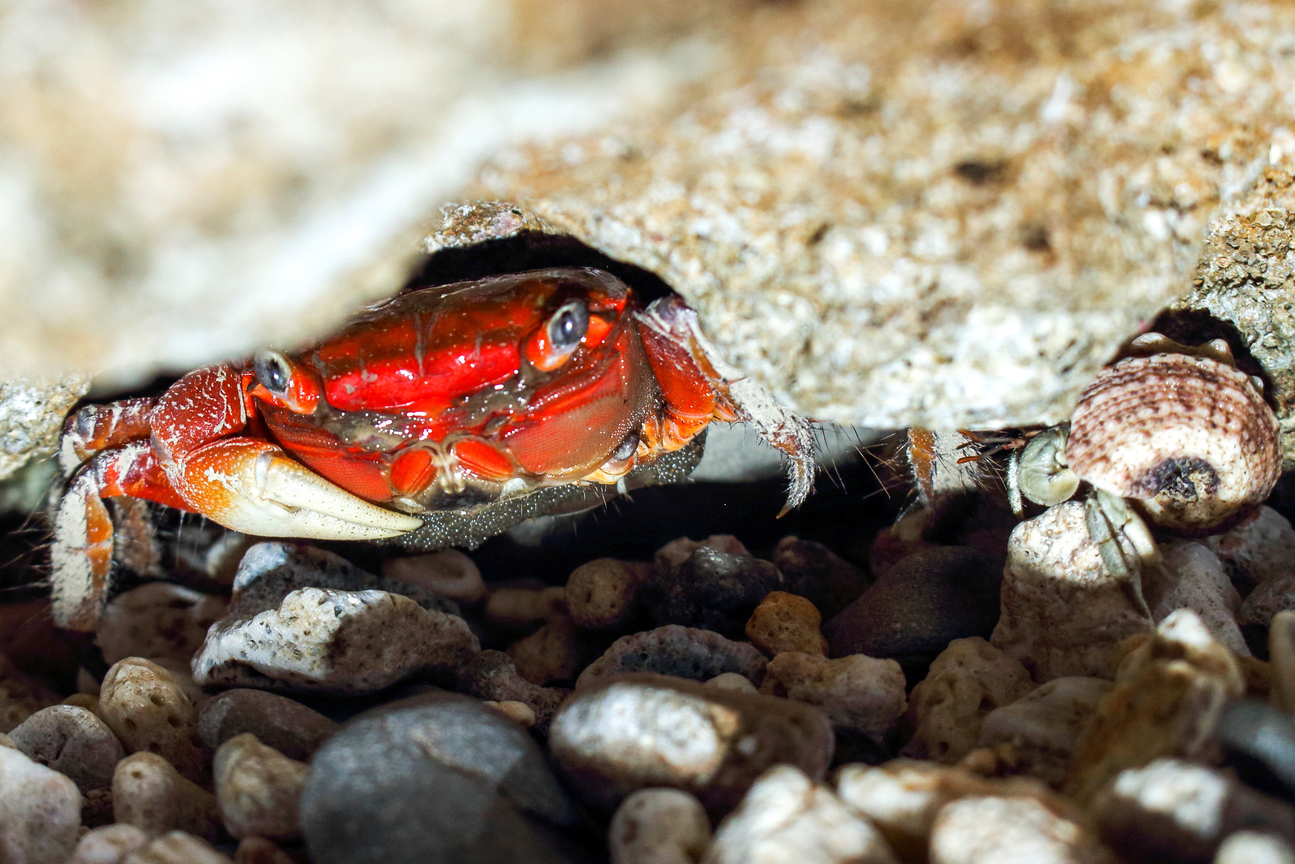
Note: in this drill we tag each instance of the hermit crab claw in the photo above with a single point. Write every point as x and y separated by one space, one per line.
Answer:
252 487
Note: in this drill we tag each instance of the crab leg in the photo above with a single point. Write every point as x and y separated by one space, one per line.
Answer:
99 427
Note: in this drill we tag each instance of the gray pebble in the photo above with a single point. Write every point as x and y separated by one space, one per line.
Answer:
277 721
492 676
72 741
711 590
108 844
40 812
684 652
436 778
819 575
636 731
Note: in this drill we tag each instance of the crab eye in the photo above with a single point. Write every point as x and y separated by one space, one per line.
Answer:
273 371
568 325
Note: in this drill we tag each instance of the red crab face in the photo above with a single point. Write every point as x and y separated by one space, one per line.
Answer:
527 379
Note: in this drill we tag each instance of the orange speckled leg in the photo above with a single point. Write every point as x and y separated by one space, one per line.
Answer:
689 384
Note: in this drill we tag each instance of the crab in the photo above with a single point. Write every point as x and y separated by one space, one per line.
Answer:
444 397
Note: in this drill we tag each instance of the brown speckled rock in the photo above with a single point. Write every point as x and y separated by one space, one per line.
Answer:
148 711
1043 725
786 622
150 794
491 675
603 594
685 652
293 729
159 621
658 825
857 692
72 741
257 789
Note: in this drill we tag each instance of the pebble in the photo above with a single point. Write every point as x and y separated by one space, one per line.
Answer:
1192 577
678 551
1166 701
160 621
551 653
710 590
492 676
786 622
449 573
1043 726
786 816
148 712
1262 739
1250 847
968 680
177 847
6 741
1062 612
438 777
40 812
1281 656
819 575
258 850
987 830
603 595
683 652
524 608
293 729
73 742
658 826
1257 550
150 794
257 788
518 712
21 695
327 639
108 844
733 681
636 731
920 605
857 692
1176 810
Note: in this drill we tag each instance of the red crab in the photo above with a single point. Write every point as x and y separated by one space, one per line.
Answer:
438 398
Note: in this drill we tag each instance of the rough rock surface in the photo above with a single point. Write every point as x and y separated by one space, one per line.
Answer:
1196 580
786 622
150 794
1062 612
159 621
987 830
786 816
857 692
293 729
257 788
685 652
637 731
967 681
149 712
72 741
1043 725
31 415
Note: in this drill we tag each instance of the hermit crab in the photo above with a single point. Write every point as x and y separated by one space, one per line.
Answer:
1170 433
463 398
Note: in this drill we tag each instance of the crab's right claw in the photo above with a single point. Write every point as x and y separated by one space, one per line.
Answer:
250 486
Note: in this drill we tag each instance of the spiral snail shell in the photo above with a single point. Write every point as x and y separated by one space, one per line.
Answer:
1182 431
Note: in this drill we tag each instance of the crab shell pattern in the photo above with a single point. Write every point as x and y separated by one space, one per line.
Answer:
1183 432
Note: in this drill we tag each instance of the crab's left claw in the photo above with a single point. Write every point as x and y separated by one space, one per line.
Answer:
249 485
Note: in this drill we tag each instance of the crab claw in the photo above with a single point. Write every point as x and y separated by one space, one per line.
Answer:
251 486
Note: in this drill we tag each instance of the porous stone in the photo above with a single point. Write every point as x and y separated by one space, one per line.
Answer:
72 741
636 731
903 797
257 788
858 692
786 622
177 847
434 778
986 830
1252 847
678 551
449 573
1166 701
293 729
710 590
516 608
21 695
603 594
684 652
968 680
108 844
786 816
325 639
159 621
1062 612
819 575
150 794
1043 725
658 826
491 675
922 603
148 712
1175 810
40 811
31 416
1256 551
550 653
1192 577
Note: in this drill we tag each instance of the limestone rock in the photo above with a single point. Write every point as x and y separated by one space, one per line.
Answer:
603 594
636 731
449 573
1196 580
857 692
257 788
491 675
150 794
658 826
149 712
31 416
108 844
673 650
786 622
967 681
159 621
1062 612
1043 725
978 830
1257 550
176 847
